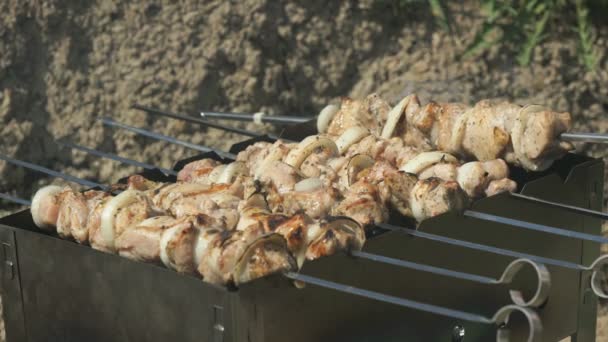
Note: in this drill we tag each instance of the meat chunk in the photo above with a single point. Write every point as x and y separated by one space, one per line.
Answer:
197 170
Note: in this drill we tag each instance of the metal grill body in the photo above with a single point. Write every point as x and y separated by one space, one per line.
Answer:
59 290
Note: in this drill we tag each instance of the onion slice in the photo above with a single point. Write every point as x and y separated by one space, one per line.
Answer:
427 159
325 116
278 244
356 164
393 117
305 148
109 212
166 237
458 131
275 154
231 171
215 174
41 200
351 136
308 185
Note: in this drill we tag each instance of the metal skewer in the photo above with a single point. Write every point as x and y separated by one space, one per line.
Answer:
596 266
543 277
586 137
15 199
535 226
140 131
501 317
578 210
117 158
54 173
203 122
257 117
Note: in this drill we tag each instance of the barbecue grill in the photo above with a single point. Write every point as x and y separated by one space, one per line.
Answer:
514 265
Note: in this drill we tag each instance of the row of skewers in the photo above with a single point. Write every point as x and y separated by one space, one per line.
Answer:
281 203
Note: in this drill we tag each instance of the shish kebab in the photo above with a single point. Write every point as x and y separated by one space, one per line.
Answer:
531 136
587 137
166 223
500 318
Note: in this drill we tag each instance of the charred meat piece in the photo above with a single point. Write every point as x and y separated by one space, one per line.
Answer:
237 256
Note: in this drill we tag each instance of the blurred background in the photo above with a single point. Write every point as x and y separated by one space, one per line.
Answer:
65 63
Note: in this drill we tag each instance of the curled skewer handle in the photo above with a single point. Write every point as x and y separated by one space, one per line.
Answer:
596 281
501 319
586 137
543 286
510 272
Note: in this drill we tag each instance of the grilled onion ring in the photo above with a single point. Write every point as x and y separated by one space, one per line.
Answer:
325 116
305 148
215 174
109 212
231 171
308 185
41 199
393 117
351 136
425 160
356 164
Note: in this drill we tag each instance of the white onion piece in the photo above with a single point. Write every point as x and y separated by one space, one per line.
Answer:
458 131
231 171
325 116
108 215
165 238
274 155
308 185
215 174
305 148
43 195
417 204
426 159
356 164
351 136
393 117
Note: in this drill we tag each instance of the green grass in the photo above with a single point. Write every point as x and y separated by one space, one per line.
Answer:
521 25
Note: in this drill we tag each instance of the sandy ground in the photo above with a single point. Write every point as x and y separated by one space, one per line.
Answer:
63 64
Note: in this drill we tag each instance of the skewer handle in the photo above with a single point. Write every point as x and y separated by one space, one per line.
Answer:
600 138
17 200
257 117
53 173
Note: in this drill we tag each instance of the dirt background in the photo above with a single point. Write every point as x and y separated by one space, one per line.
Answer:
65 63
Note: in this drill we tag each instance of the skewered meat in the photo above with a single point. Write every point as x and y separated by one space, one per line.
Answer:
526 136
74 213
115 215
141 242
197 170
303 234
363 202
219 201
239 256
310 196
